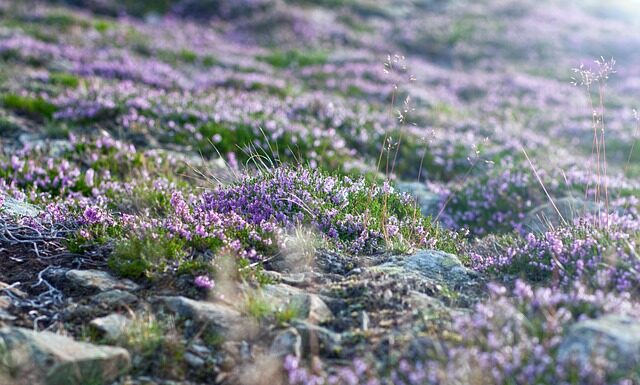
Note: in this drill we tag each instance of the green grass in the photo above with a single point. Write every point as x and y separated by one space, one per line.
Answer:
64 79
139 257
34 106
295 58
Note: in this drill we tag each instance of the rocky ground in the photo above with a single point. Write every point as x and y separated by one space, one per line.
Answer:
331 192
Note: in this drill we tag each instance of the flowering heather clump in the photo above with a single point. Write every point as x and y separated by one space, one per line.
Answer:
229 168
512 338
601 254
498 201
250 218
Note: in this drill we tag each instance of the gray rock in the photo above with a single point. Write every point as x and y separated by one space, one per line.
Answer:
193 360
219 318
430 264
112 326
428 201
200 350
318 339
545 217
96 281
308 306
114 298
287 342
50 359
613 336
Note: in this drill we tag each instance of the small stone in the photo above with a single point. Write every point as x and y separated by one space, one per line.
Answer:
112 326
309 306
96 281
217 317
114 298
200 350
44 358
317 338
193 360
287 342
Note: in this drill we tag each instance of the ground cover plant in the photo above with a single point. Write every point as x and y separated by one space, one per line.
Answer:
319 192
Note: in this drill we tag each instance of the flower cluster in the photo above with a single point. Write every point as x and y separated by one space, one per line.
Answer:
600 253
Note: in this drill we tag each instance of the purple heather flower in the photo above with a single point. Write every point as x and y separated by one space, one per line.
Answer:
204 282
88 177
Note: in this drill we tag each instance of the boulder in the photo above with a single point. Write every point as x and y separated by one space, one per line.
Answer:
545 217
428 201
433 265
43 358
616 337
114 298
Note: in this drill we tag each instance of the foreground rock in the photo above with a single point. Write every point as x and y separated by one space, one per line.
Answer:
617 337
32 358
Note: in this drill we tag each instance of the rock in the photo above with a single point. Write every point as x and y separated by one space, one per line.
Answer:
545 217
309 306
112 326
287 342
200 350
114 298
430 264
219 318
613 336
17 208
317 339
96 281
428 201
43 358
193 360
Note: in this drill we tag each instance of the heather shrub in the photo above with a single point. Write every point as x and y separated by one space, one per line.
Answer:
599 252
511 338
